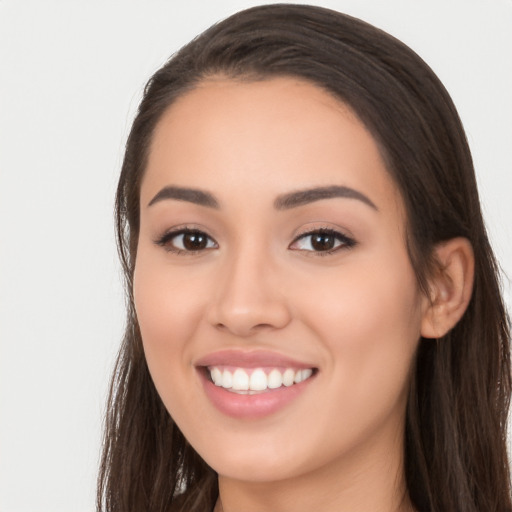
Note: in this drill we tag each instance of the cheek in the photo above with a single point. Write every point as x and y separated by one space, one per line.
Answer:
369 320
362 297
168 312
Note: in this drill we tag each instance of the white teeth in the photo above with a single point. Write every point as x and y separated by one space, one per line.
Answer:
258 380
275 379
227 379
288 377
217 376
307 373
303 375
239 380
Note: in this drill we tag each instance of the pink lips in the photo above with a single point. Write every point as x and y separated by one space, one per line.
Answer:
254 359
250 406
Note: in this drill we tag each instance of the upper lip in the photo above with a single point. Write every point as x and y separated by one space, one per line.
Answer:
250 359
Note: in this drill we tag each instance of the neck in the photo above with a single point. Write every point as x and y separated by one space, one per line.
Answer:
368 480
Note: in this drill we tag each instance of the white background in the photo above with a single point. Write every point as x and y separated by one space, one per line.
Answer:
71 76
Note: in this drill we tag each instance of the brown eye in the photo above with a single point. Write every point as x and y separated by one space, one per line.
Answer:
322 241
194 241
186 240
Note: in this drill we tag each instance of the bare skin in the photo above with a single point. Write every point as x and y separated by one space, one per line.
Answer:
349 307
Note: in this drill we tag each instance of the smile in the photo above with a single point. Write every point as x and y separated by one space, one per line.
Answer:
249 385
256 380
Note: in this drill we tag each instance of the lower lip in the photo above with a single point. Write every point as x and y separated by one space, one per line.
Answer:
252 406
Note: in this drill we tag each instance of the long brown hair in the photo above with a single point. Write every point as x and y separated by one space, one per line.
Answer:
455 443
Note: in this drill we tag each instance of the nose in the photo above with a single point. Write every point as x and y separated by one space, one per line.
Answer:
250 297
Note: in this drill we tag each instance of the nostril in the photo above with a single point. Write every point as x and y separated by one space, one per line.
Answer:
243 327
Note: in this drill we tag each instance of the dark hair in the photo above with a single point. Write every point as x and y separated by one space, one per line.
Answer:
455 442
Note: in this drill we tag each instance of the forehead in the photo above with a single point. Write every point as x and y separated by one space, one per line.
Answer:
268 136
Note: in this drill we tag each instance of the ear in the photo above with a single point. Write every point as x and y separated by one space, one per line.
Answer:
451 287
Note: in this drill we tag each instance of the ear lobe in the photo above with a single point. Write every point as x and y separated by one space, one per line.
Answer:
451 287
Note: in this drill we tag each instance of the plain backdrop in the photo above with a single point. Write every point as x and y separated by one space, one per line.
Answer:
71 76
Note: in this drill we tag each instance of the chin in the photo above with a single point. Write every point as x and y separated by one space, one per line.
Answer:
256 469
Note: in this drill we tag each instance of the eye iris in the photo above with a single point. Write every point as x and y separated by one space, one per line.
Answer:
194 241
322 241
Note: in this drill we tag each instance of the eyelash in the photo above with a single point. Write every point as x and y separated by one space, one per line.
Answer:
345 241
165 240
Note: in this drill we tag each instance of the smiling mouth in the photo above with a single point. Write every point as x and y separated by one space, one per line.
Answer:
252 381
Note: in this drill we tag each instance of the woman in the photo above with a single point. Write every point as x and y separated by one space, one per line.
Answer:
314 315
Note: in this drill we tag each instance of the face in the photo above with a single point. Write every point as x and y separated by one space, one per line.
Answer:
277 304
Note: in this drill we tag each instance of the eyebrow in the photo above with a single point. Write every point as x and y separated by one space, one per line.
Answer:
302 197
283 202
191 195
